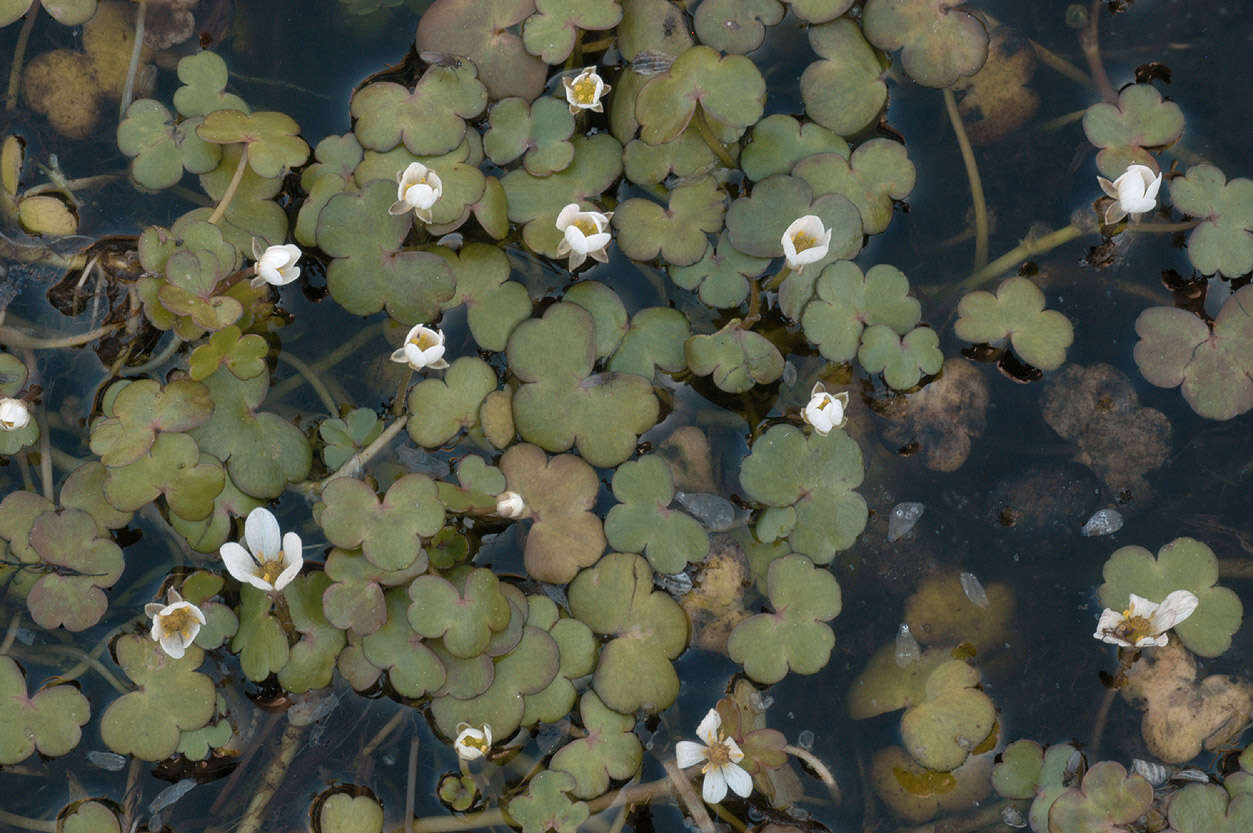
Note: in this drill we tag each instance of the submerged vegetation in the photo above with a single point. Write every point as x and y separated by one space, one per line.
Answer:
614 378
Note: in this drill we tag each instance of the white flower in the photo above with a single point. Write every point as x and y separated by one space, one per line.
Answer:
584 91
1134 193
174 625
510 505
1144 622
805 242
418 189
824 411
14 415
472 743
273 563
423 348
721 756
276 265
584 235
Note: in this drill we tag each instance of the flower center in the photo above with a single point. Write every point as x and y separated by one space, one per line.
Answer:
476 743
424 341
803 241
586 226
269 569
415 184
179 621
1134 628
719 756
584 90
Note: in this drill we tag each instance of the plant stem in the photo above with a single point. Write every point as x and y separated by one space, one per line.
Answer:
1089 39
1162 228
95 664
15 820
329 360
273 777
754 306
381 735
1098 726
972 173
981 819
707 135
319 387
73 184
777 281
695 805
128 91
11 632
819 768
1058 63
16 338
1227 568
1023 251
156 361
357 462
398 406
230 189
45 455
411 781
19 54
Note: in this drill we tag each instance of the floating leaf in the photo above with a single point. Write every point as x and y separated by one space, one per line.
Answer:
550 32
1223 241
847 302
560 492
243 355
440 408
355 601
1016 312
651 27
344 813
546 807
389 532
676 232
1206 808
648 630
482 30
260 640
846 92
159 149
722 274
173 467
142 409
903 361
819 11
729 88
541 131
737 26
812 477
338 157
755 224
939 42
1183 564
273 145
654 340
643 521
610 749
348 436
49 721
1018 773
917 794
1106 799
780 141
311 663
793 637
953 718
686 156
463 619
609 314
877 173
204 76
1139 120
173 697
71 594
737 358
412 668
561 403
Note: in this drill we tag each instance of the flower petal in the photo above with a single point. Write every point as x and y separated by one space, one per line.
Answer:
738 779
1109 620
714 789
1176 607
567 215
687 753
262 533
709 726
238 562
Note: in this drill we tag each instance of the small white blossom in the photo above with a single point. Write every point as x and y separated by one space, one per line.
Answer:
472 743
14 414
1145 623
418 189
276 265
510 505
273 561
584 235
423 348
1134 193
175 624
824 411
584 91
721 756
805 241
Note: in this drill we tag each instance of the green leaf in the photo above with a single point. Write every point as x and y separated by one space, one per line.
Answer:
550 32
1018 773
338 157
954 717
647 629
541 131
49 721
565 534
141 410
737 358
346 437
794 636
440 408
643 521
677 233
1223 241
172 697
546 807
729 88
243 355
173 467
355 601
1107 798
389 532
260 640
1016 312
780 141
609 750
344 813
903 361
1206 808
609 315
160 149
83 563
939 42
737 26
686 156
561 403
755 224
1183 564
877 173
846 91
463 619
412 668
312 660
654 340
483 31
819 11
204 76
273 146
847 302
1140 119
815 477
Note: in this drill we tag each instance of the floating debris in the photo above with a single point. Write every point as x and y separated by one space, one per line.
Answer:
1013 817
1191 774
805 739
676 584
902 519
973 589
907 649
713 511
789 374
111 761
649 62
171 794
1153 772
1103 522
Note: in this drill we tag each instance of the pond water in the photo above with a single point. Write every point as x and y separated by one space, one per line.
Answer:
684 535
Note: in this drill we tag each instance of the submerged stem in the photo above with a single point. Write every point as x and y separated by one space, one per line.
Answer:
972 173
707 135
19 54
128 91
1024 250
319 387
273 777
225 202
14 820
16 338
819 768
1089 39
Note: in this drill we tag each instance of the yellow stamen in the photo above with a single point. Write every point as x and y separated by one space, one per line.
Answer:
584 90
269 568
586 226
424 340
803 241
180 622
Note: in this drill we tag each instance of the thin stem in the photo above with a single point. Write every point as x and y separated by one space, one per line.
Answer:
10 633
981 819
230 189
819 768
358 461
1227 568
402 394
128 91
777 281
1162 228
14 820
27 253
754 306
1058 63
329 360
1023 251
16 338
255 814
19 55
695 806
411 782
95 664
1063 120
130 797
45 455
707 135
729 817
972 173
381 735
79 184
1098 726
319 387
266 728
1089 39
156 361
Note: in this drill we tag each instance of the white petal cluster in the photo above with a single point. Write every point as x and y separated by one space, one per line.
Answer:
14 414
721 757
418 188
584 91
1145 623
271 561
805 241
472 743
825 412
423 348
584 234
1134 193
510 505
175 624
276 265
